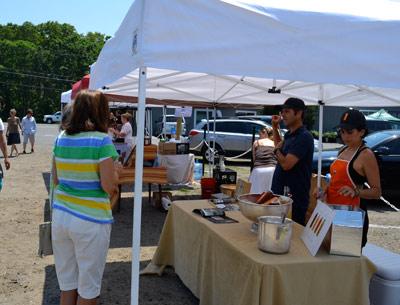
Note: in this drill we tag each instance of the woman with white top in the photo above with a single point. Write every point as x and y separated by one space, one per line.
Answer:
125 133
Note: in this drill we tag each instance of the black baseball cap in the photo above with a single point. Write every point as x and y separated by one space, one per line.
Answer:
353 119
294 103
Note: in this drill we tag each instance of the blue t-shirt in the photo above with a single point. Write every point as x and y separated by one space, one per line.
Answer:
301 144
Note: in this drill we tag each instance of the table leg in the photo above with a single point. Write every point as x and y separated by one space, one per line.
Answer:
150 193
119 197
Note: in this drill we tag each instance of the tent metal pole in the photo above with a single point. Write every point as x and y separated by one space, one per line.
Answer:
214 137
320 129
164 122
137 204
208 134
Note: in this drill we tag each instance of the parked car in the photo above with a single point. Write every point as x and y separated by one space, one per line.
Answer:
386 146
170 125
52 118
232 136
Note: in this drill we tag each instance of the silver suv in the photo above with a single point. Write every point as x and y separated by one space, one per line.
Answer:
232 137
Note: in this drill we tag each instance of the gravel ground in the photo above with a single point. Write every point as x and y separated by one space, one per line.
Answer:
27 279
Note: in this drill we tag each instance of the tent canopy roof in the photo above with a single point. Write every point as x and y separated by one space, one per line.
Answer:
382 114
234 51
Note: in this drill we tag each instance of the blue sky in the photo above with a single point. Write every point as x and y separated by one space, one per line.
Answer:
86 15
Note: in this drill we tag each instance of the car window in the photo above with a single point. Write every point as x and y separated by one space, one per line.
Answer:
58 113
394 147
232 127
249 128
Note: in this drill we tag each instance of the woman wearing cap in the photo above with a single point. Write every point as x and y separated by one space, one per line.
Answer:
355 165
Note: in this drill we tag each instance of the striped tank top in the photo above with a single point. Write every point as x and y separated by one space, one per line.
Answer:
79 190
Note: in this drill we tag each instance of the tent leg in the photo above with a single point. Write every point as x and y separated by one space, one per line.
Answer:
320 129
137 204
164 122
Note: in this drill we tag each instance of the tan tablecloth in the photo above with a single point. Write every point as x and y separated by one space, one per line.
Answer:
179 167
221 265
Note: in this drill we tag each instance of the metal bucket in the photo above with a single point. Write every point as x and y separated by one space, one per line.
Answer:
273 235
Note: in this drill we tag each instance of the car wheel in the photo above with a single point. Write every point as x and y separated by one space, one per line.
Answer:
208 153
49 121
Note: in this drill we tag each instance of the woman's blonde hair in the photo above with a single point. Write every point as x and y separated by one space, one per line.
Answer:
13 111
127 116
268 131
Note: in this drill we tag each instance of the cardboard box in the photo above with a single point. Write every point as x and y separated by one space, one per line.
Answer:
166 148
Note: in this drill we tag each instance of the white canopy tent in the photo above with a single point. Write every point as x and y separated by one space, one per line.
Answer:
66 97
342 53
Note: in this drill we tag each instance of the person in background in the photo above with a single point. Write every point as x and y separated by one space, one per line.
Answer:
125 133
29 130
112 121
264 162
13 128
66 114
3 148
294 156
84 178
355 165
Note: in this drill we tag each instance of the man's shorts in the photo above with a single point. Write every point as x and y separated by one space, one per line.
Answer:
80 252
27 136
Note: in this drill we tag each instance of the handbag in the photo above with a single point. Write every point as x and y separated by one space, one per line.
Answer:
45 244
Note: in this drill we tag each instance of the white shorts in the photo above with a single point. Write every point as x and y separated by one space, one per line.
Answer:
80 252
30 136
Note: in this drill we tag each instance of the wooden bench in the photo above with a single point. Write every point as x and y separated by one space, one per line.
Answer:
126 174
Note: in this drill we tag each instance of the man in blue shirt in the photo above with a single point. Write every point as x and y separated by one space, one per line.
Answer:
294 155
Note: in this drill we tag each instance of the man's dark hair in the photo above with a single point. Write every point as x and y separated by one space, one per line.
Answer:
303 113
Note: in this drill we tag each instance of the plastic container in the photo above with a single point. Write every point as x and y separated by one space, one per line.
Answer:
198 170
208 187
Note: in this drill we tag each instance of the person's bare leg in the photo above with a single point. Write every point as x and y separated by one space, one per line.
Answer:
83 301
24 147
69 297
32 140
14 147
11 151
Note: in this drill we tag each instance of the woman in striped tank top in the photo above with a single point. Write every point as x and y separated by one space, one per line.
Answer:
84 179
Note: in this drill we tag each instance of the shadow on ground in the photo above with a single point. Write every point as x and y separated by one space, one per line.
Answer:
151 227
116 287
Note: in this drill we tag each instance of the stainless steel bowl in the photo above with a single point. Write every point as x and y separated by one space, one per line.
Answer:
273 235
253 210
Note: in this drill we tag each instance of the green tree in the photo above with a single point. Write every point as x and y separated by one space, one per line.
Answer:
39 62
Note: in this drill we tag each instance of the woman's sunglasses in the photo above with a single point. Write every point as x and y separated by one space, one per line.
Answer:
345 131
